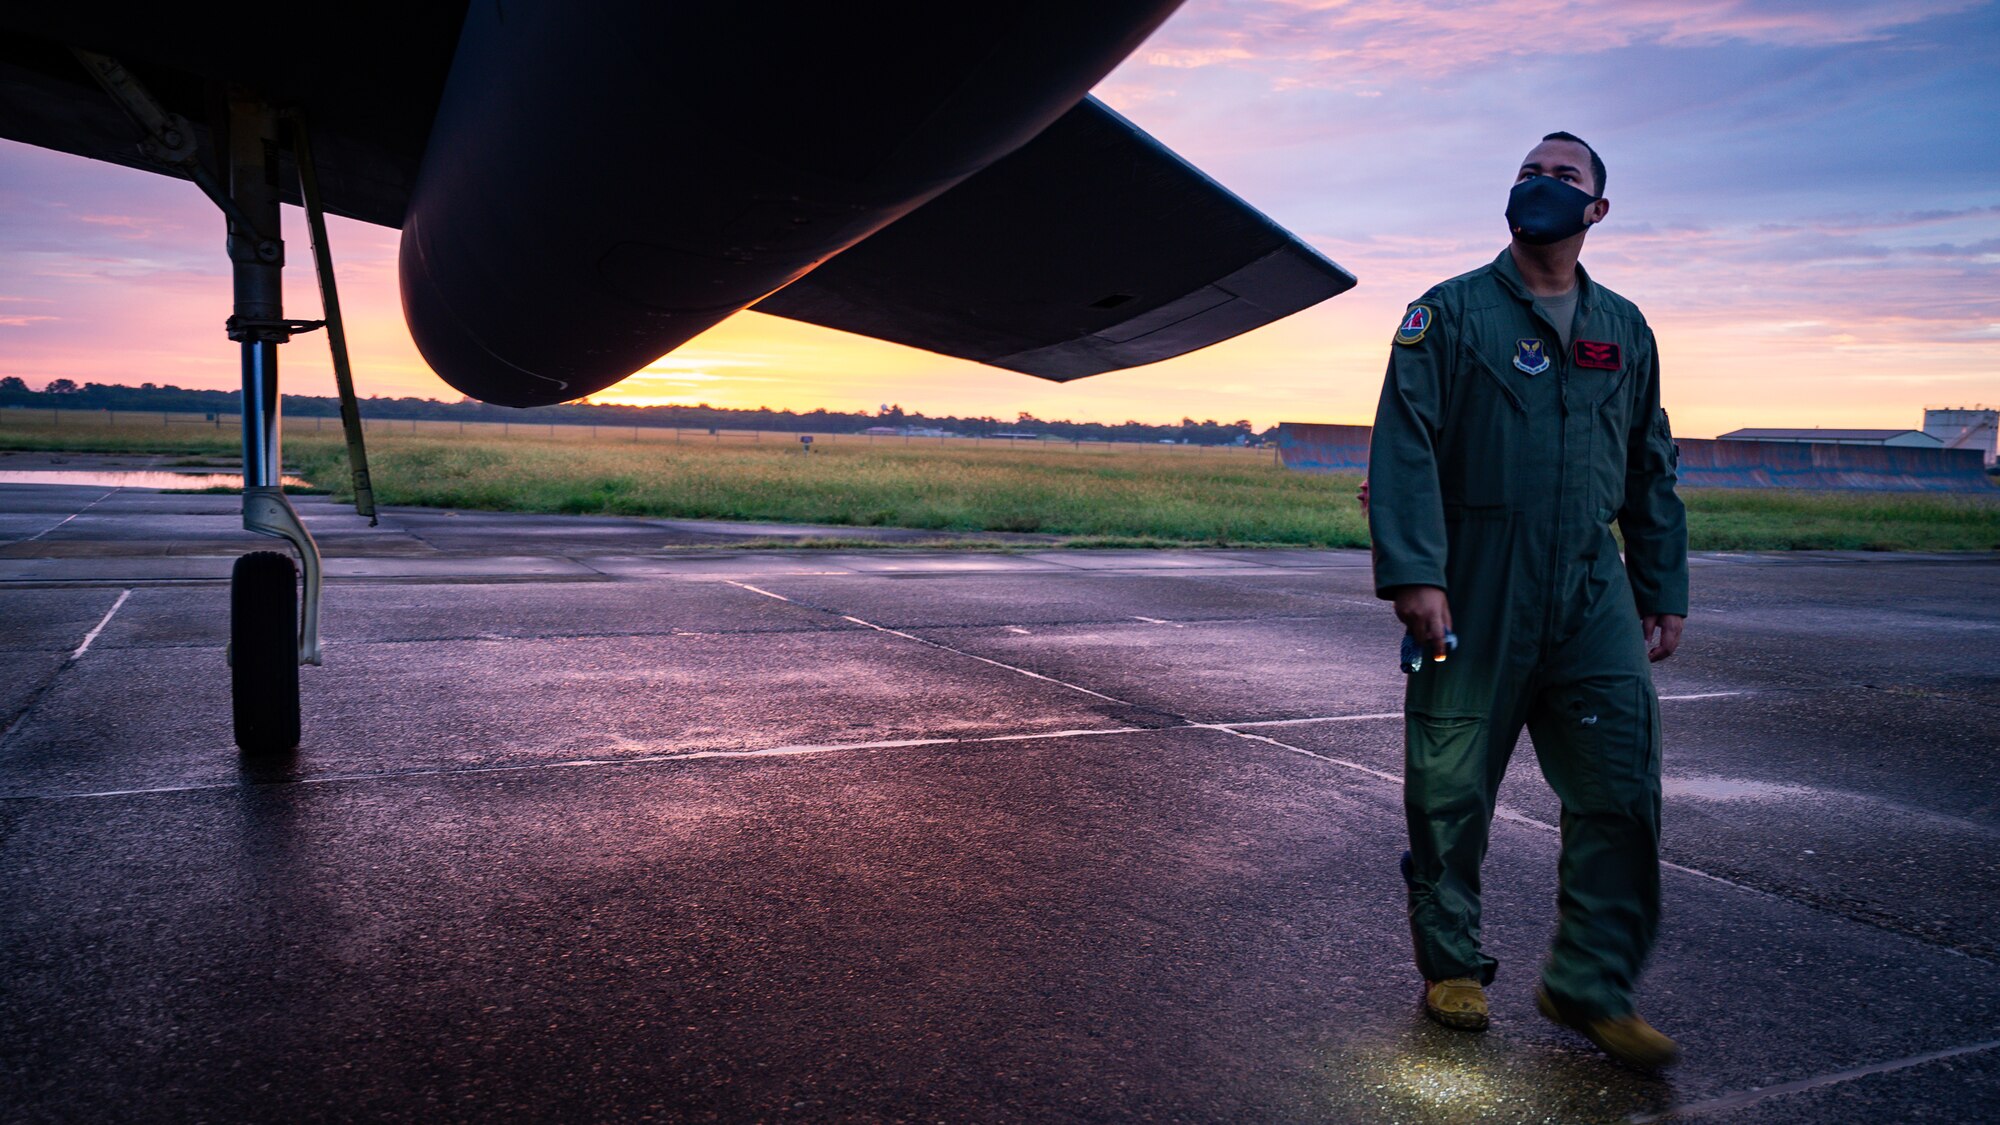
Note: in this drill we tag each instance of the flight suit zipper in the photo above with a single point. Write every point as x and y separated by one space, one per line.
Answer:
1553 593
1562 499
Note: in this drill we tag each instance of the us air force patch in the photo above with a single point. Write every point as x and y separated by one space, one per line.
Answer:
1530 356
1416 322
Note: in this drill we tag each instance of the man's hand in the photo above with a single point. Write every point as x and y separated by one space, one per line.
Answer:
1362 496
1424 612
1667 626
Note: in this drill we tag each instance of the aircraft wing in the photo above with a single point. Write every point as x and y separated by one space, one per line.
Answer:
1089 249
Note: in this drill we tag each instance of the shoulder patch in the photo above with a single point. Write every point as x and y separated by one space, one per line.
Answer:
1416 322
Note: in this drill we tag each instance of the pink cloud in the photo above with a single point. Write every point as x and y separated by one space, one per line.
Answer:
1338 44
132 228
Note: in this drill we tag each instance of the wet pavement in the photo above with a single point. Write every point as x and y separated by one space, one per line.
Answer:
606 819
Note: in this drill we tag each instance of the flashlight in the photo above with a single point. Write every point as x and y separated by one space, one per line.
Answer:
1413 652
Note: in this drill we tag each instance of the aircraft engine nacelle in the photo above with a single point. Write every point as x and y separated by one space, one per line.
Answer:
606 180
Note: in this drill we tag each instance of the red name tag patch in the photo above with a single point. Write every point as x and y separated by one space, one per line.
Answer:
1602 357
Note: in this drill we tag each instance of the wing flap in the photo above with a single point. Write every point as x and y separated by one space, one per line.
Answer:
1092 248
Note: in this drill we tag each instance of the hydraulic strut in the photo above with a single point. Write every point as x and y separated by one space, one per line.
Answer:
336 328
258 324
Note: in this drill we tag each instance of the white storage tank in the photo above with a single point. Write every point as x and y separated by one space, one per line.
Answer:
1966 427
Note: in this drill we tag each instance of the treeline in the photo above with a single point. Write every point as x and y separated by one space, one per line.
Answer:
65 394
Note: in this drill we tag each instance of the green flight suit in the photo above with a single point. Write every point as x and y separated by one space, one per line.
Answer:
1498 482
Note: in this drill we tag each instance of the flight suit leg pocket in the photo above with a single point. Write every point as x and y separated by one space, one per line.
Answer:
1447 803
1599 743
1444 763
1448 775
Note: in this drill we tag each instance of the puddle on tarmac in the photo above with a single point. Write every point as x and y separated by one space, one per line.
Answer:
1708 788
123 478
1701 787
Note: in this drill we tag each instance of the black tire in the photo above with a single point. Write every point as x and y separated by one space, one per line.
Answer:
264 652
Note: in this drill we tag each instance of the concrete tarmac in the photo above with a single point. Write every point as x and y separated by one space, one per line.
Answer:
602 819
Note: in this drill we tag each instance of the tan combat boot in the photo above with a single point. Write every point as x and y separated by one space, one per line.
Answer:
1457 1003
1628 1038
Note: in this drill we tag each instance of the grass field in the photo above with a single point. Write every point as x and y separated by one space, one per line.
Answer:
1098 494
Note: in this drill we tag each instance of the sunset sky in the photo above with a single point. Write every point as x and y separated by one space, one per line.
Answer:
1805 202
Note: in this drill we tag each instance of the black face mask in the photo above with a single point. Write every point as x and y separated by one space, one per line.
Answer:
1543 209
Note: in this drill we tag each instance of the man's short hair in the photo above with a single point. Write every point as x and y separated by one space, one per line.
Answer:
1596 161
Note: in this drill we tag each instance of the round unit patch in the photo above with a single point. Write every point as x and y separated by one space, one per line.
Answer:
1416 322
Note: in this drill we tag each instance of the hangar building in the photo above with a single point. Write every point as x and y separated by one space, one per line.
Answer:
1916 439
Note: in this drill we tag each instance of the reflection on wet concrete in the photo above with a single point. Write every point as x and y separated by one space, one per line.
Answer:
1423 1074
1705 788
132 478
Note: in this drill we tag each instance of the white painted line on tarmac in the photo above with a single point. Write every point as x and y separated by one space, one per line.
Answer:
1512 816
1157 621
1378 715
1242 730
92 635
755 590
1302 750
35 697
57 525
773 751
583 763
948 648
1500 812
1015 629
1742 1098
984 660
1066 734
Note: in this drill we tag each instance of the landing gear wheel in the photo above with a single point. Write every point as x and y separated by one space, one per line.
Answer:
264 652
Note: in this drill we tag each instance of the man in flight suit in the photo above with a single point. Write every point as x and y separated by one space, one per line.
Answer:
1519 419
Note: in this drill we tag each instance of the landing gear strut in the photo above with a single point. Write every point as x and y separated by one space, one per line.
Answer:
270 632
263 603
